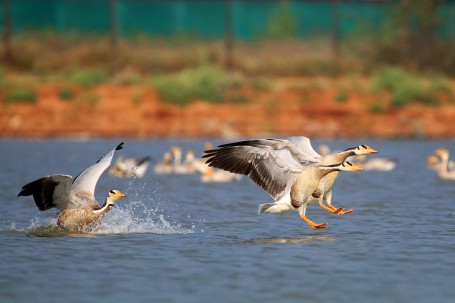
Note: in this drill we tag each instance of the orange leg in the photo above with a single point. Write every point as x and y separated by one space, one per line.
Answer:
345 212
342 211
312 224
330 208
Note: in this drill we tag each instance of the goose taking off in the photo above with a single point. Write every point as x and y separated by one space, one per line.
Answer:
444 172
280 168
324 190
74 198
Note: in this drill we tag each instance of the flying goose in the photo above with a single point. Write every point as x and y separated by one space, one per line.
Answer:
324 190
279 168
444 172
74 198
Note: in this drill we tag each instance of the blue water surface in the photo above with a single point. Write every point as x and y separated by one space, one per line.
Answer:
176 239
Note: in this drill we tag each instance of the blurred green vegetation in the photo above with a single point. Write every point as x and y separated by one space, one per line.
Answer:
205 82
21 94
407 88
66 93
89 76
2 77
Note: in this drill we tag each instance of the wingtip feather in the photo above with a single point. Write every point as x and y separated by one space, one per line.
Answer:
119 147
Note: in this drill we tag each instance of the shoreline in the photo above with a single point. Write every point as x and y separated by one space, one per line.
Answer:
135 111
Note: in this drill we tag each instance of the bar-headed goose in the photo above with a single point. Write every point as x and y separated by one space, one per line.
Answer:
444 172
324 190
279 168
74 198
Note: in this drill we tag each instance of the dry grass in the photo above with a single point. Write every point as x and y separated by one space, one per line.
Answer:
85 61
44 53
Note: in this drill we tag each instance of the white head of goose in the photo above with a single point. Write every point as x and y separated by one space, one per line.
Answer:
75 199
279 168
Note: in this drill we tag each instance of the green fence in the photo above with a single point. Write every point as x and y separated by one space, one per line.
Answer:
206 19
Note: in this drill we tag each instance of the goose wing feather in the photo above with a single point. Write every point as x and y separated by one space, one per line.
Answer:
49 192
304 145
273 164
86 181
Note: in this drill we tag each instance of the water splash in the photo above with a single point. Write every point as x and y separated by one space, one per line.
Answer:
136 217
142 212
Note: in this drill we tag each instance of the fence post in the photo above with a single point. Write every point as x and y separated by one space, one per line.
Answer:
8 54
228 35
113 34
335 29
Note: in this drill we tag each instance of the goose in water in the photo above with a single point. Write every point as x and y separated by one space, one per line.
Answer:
444 172
130 167
381 164
180 166
165 166
434 163
74 198
210 174
280 168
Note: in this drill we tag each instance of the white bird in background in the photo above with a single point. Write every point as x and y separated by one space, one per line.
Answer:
165 166
444 172
130 167
280 168
74 198
217 175
324 149
179 166
434 162
381 164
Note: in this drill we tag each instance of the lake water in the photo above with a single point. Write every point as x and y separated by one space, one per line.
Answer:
175 239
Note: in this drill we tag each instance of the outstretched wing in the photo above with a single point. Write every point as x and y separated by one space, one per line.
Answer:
86 181
50 191
304 145
273 164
